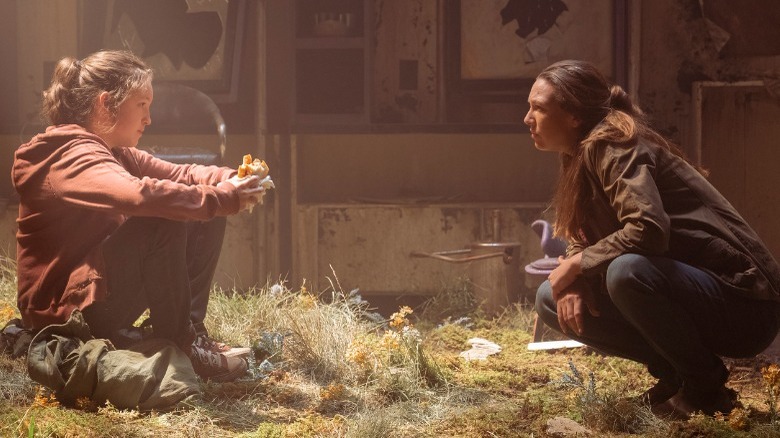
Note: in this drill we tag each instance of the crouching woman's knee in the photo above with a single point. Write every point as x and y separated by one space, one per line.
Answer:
545 305
624 276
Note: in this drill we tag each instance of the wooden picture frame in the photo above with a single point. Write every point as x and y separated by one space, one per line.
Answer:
196 43
479 92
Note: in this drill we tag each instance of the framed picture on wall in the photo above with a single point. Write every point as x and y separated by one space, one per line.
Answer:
495 48
194 42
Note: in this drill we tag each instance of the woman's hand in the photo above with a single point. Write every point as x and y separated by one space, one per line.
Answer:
250 192
571 296
565 274
571 307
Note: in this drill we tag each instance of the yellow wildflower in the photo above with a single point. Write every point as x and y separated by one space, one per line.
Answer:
44 397
334 391
7 312
86 404
399 320
391 341
358 352
307 300
771 375
738 419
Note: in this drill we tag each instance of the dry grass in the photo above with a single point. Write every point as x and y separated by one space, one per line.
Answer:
341 372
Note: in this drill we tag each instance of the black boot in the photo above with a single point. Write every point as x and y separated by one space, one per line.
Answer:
662 391
685 402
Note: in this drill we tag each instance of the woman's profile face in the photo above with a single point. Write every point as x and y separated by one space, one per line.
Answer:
131 120
552 128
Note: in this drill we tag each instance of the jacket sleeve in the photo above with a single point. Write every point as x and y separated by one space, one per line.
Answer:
574 248
146 164
626 175
89 176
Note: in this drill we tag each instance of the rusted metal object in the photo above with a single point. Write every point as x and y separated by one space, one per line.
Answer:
494 271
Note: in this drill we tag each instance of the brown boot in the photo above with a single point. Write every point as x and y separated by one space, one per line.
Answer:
215 361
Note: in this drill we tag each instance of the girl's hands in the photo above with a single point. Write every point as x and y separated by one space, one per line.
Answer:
250 192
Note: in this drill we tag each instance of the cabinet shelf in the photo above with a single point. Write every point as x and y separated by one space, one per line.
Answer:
330 43
329 17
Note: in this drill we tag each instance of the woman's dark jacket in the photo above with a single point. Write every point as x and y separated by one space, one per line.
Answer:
646 200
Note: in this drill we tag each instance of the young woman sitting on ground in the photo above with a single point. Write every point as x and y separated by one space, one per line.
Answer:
107 228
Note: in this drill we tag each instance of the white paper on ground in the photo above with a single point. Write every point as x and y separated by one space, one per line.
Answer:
554 345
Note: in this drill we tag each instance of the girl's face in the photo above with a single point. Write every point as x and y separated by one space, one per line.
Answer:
132 118
552 128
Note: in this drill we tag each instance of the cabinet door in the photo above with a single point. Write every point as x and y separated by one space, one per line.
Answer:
739 131
331 59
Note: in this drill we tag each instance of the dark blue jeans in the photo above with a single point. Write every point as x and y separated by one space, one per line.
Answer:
676 319
163 265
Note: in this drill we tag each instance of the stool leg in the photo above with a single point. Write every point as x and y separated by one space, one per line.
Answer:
539 344
538 329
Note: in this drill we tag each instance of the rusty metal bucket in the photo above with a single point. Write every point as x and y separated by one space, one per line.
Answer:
494 271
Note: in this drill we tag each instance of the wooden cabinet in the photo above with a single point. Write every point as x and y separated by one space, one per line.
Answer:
330 64
369 247
353 66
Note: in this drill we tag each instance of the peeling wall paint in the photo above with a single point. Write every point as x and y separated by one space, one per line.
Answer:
679 47
405 31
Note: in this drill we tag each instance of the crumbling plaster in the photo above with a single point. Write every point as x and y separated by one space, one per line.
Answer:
677 49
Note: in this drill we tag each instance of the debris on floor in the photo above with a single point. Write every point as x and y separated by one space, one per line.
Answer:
480 349
562 427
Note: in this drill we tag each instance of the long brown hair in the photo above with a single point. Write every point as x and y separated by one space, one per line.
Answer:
76 84
607 115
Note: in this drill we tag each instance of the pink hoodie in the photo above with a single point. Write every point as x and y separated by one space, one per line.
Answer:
74 192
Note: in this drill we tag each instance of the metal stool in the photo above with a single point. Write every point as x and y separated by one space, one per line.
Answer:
541 269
